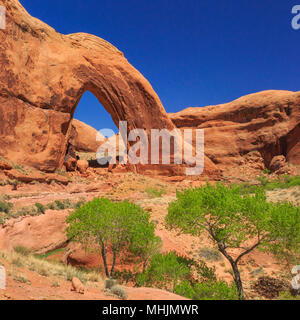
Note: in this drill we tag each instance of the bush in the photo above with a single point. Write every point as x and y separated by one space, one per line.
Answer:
22 250
155 193
119 292
218 290
40 208
210 254
5 206
109 283
164 271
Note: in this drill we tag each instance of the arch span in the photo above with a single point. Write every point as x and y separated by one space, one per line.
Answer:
43 76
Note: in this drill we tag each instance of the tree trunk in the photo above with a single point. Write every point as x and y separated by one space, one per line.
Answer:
237 280
113 264
145 264
103 252
235 269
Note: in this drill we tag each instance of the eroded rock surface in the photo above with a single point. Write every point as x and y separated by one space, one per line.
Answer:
268 122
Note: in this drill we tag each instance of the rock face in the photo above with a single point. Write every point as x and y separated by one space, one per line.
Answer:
41 234
268 122
84 137
44 74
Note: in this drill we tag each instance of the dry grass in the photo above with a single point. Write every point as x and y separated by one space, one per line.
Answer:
291 195
49 268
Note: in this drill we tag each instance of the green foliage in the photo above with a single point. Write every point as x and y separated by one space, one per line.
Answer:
217 290
234 218
40 208
34 210
155 193
126 276
5 206
288 296
283 182
231 219
50 253
112 226
64 204
166 270
175 273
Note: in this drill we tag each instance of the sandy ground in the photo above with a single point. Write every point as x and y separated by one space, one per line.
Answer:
134 188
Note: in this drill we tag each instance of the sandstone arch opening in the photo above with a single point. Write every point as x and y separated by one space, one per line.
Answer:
90 111
90 119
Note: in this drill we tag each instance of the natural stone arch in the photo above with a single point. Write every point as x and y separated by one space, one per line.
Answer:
43 76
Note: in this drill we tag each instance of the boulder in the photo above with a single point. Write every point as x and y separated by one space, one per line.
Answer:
71 164
277 163
82 166
77 286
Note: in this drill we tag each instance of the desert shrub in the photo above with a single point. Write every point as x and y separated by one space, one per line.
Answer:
216 290
155 193
22 250
165 271
40 208
283 182
287 295
64 204
109 283
5 206
21 278
119 292
210 254
61 172
126 276
270 288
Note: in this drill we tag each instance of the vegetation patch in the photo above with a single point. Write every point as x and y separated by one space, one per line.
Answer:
234 220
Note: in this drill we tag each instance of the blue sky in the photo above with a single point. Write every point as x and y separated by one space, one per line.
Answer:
194 52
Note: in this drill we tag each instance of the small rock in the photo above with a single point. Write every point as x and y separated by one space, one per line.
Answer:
277 163
82 166
77 286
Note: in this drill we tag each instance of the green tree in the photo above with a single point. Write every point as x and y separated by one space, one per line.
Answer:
237 221
111 227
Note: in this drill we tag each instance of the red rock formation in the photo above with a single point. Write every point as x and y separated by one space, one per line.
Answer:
268 122
44 74
41 234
